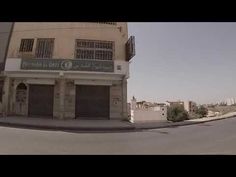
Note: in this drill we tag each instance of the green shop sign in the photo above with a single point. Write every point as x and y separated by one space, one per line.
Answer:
67 65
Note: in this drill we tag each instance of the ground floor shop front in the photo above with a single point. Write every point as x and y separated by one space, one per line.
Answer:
64 98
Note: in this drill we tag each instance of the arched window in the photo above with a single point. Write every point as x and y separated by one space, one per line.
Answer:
21 86
21 91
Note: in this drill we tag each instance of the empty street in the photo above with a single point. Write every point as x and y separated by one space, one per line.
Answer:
217 137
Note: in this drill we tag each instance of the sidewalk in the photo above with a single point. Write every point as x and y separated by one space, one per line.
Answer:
67 125
98 125
166 124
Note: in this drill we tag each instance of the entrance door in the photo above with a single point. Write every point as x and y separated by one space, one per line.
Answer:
92 102
41 100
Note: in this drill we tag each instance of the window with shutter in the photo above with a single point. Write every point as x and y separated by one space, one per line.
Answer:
44 48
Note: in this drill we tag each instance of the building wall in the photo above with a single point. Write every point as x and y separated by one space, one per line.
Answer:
64 98
56 101
190 106
65 34
5 29
5 32
116 100
177 103
70 93
16 107
142 114
230 101
148 115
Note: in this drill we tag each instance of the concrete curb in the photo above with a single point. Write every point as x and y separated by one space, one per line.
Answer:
64 128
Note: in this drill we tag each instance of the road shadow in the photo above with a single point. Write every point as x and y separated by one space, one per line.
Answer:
206 125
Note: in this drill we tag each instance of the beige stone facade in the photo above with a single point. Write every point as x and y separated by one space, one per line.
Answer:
65 35
18 97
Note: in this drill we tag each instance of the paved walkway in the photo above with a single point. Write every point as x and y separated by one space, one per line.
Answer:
163 124
78 125
98 125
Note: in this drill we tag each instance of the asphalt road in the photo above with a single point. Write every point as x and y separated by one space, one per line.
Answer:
217 137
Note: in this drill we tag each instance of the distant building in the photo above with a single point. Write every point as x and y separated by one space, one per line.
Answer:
230 101
221 103
171 103
190 106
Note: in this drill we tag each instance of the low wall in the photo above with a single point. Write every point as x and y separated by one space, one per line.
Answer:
148 115
144 112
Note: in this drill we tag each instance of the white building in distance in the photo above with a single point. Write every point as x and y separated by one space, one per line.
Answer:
230 101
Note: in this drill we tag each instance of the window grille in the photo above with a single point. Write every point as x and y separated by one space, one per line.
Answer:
90 49
44 48
26 45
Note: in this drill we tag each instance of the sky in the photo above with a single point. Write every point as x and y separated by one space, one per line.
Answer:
183 61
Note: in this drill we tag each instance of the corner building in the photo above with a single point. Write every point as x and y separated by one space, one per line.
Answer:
67 70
